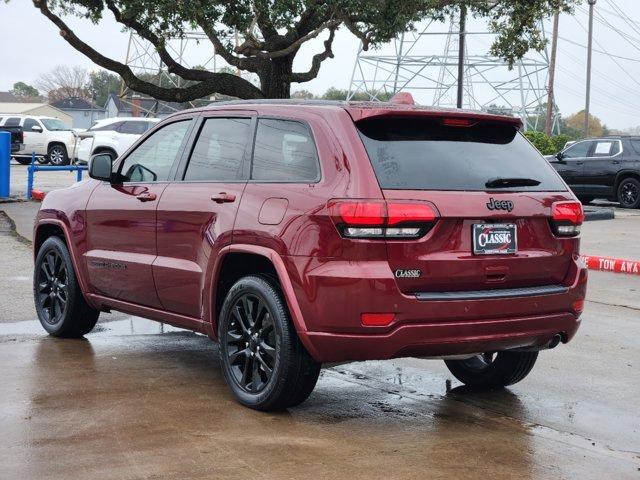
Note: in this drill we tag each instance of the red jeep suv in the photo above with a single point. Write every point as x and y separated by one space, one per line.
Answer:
302 233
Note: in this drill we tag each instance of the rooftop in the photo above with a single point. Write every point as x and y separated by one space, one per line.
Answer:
75 103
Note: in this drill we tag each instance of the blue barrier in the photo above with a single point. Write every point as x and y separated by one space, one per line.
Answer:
5 163
36 168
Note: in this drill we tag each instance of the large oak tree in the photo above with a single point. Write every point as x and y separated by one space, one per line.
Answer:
272 32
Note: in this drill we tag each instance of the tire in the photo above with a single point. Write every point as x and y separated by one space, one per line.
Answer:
57 155
586 200
23 160
493 370
629 193
54 280
255 325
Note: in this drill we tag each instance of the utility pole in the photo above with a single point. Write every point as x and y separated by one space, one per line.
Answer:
461 48
548 126
589 48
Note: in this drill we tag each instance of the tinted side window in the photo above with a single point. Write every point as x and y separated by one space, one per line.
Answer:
12 122
133 128
635 144
284 152
111 127
29 123
151 161
219 151
578 150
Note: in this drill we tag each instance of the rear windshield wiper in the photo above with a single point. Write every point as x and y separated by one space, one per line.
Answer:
511 182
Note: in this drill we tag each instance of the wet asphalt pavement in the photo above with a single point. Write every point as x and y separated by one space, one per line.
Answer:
139 400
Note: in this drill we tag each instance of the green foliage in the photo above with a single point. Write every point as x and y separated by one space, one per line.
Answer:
101 84
559 141
271 33
546 144
542 142
24 90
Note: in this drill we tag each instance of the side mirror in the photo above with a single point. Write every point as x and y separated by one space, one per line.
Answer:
100 167
36 128
560 157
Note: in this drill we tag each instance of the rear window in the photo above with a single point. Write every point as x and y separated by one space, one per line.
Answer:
424 154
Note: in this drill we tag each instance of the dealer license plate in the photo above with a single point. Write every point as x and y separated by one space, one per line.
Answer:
494 239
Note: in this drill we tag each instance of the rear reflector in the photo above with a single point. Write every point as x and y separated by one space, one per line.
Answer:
382 219
567 217
377 319
578 306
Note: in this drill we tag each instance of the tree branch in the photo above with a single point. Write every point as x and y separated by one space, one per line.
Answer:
249 64
261 9
316 60
223 83
295 45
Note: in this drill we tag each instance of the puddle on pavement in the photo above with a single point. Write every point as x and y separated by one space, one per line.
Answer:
128 326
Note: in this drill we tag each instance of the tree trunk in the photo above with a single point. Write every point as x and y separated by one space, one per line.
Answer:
275 77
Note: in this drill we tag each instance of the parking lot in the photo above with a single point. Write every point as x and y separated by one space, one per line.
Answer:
137 399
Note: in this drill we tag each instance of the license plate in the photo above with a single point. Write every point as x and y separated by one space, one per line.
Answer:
494 239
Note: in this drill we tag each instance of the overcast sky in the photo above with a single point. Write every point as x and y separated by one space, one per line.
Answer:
31 45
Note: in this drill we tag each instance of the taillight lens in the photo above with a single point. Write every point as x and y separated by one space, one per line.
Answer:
382 219
567 217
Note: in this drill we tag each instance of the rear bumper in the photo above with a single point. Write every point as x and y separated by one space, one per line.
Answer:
333 294
437 339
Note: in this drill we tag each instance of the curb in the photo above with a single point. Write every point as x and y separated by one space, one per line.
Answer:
608 264
599 214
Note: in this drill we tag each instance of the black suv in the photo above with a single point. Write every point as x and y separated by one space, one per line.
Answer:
607 167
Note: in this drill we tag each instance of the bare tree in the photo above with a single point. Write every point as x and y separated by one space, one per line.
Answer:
64 82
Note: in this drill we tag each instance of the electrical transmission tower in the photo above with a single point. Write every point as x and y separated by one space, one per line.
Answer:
192 50
425 63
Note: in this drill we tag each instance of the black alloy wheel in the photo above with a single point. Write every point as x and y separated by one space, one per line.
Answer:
629 193
52 287
251 343
60 304
493 369
263 361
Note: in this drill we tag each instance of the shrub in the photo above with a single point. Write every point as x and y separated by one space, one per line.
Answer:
542 142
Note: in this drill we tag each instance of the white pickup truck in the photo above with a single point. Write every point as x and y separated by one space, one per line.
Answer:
47 137
113 136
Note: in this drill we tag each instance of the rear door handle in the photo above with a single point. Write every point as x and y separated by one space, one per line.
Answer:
146 197
223 197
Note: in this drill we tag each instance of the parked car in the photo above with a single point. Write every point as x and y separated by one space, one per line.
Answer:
303 233
112 136
17 137
607 167
48 137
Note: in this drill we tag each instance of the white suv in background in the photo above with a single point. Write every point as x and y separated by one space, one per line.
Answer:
113 136
47 137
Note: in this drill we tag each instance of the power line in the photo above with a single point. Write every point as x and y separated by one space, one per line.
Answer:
595 50
612 59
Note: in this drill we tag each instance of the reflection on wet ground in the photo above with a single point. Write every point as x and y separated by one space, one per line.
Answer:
137 399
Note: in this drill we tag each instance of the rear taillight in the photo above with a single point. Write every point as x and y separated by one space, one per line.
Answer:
566 218
382 219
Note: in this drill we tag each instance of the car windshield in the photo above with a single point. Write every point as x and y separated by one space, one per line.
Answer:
427 154
54 125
